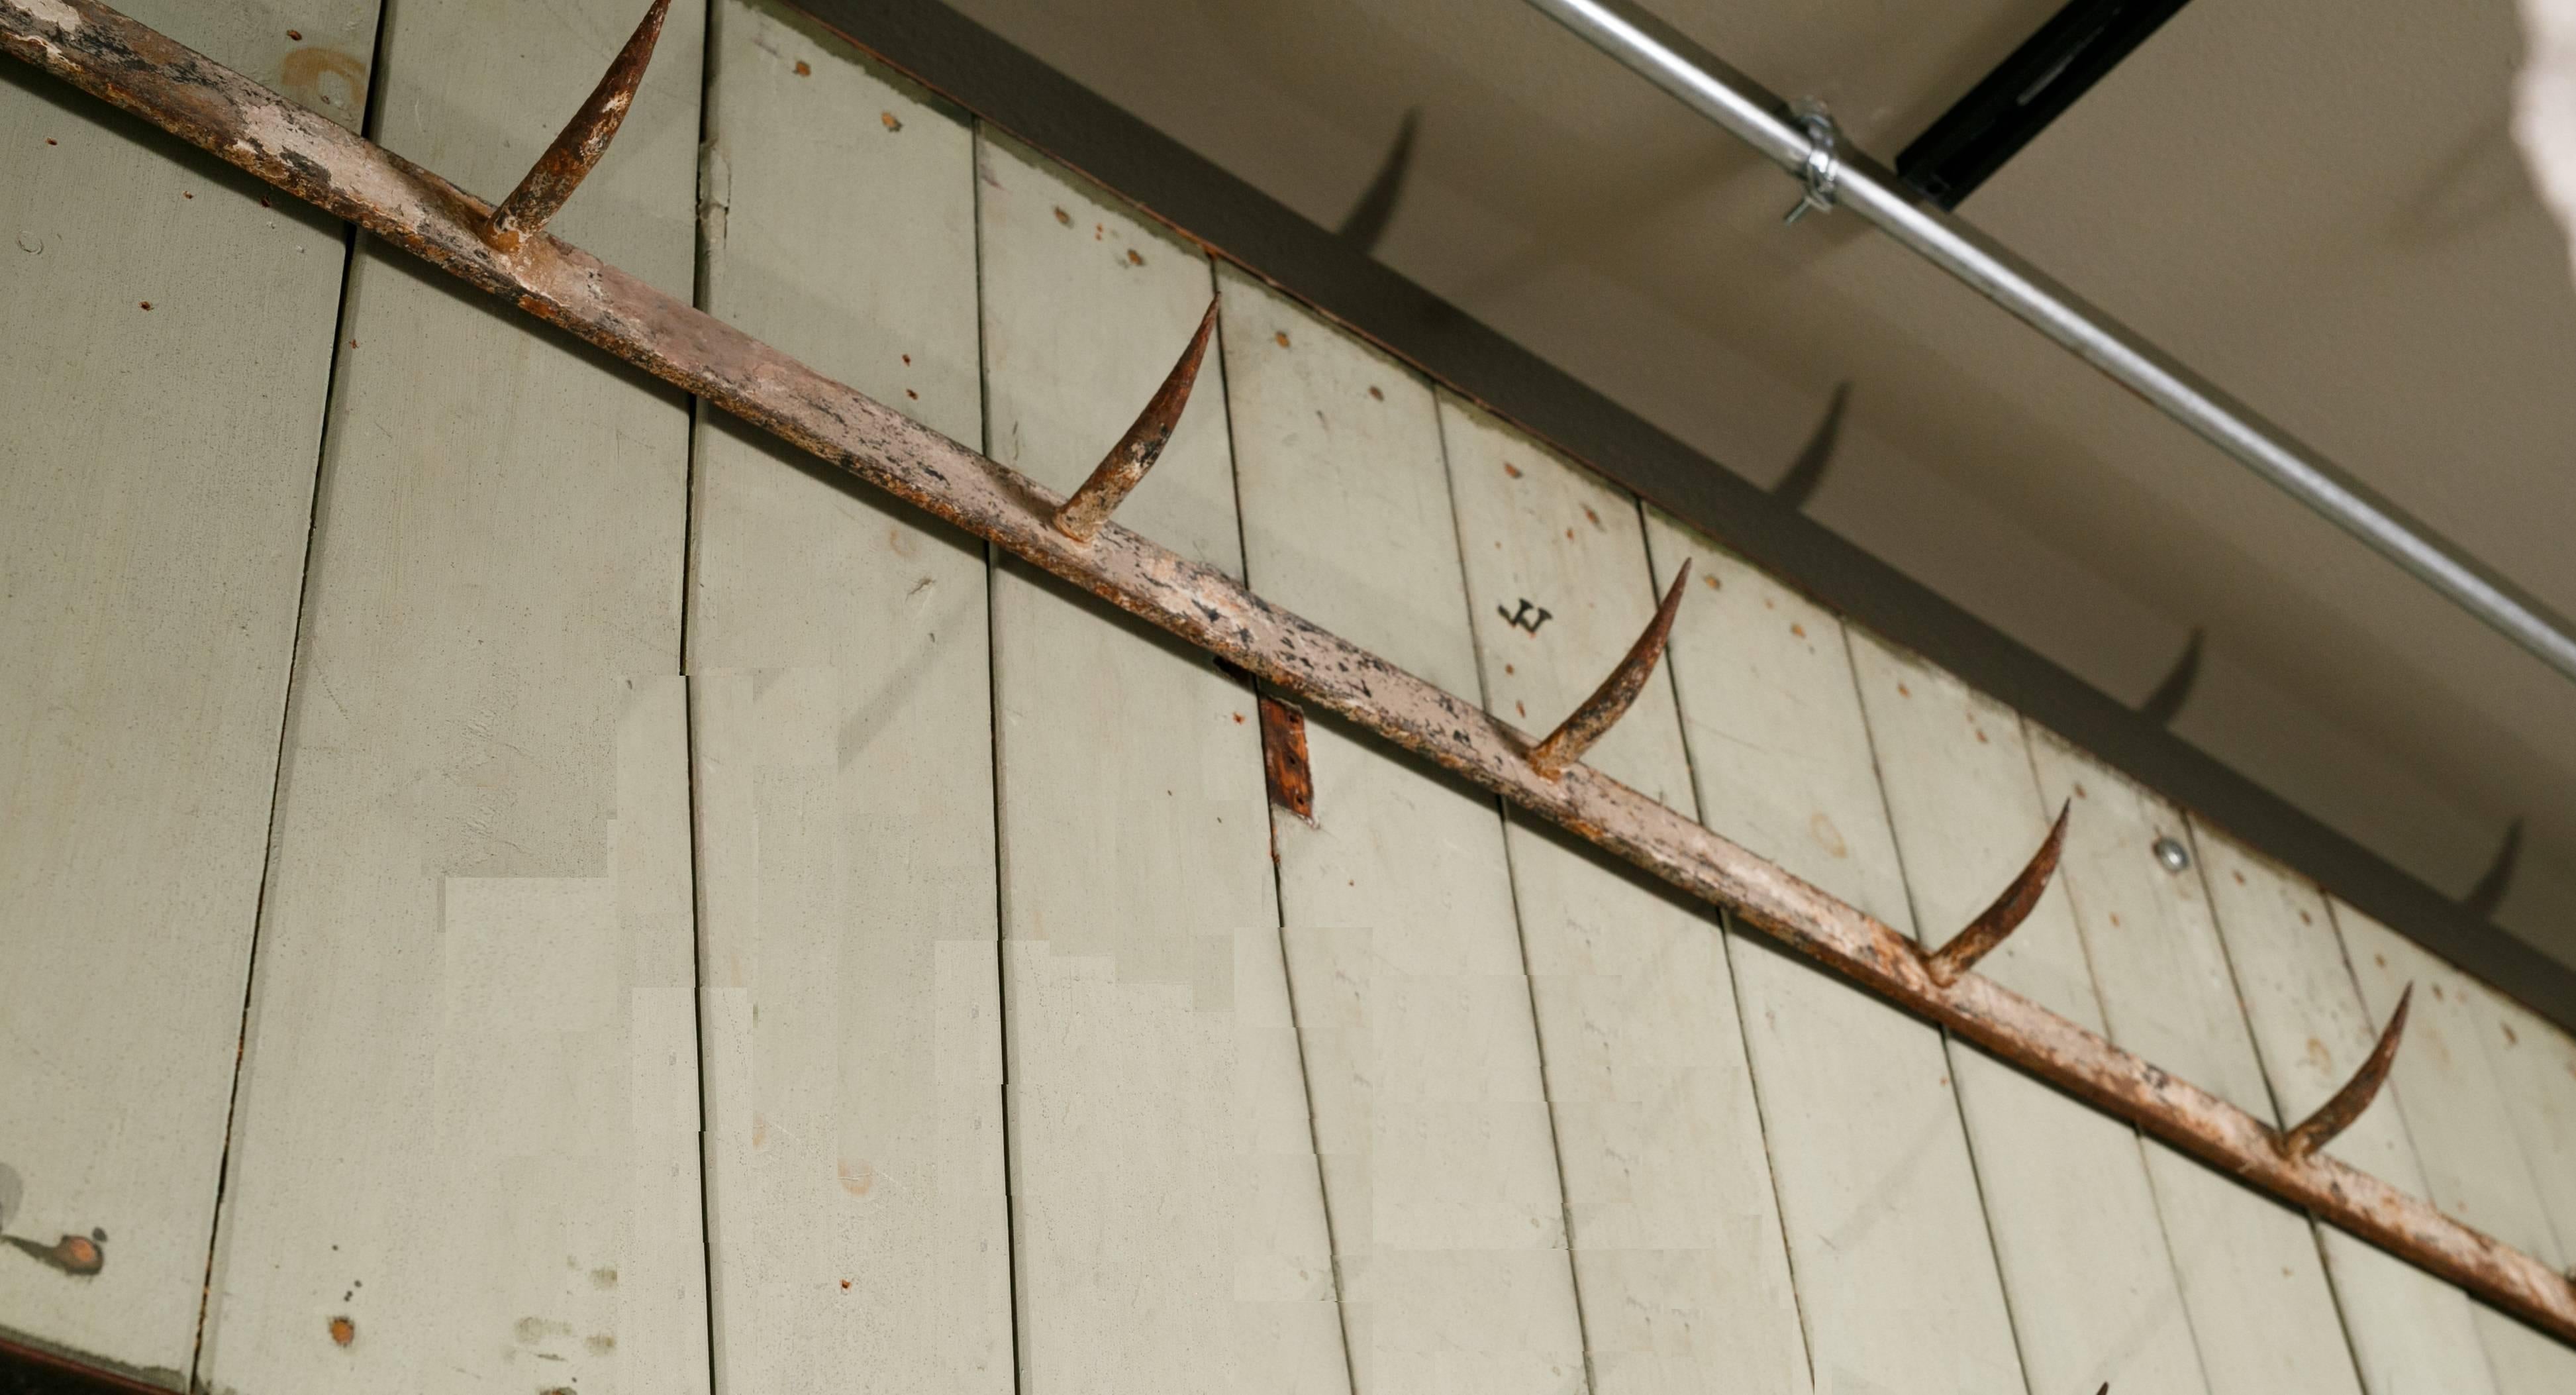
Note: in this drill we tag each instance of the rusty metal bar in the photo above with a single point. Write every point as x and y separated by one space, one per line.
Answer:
2346 1104
2007 913
140 71
1590 722
1124 467
1284 766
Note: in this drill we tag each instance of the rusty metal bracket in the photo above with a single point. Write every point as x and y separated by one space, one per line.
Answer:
1283 758
140 71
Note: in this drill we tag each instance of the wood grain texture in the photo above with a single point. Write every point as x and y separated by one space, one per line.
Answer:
2085 1264
2461 1118
2409 1331
2535 1065
2252 1279
167 354
2535 1062
1896 1276
1168 1217
1679 1260
2454 1105
841 681
1396 903
316 54
466 1138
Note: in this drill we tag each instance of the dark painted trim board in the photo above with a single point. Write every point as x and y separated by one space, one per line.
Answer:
977 69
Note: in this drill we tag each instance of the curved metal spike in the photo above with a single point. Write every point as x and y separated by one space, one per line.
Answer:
1120 471
2337 1114
1808 470
2165 703
2006 914
1609 702
2488 894
583 140
1376 208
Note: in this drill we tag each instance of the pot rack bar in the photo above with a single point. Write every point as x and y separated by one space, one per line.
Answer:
513 259
1803 141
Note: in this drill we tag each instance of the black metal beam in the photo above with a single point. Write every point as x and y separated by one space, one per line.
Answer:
2071 52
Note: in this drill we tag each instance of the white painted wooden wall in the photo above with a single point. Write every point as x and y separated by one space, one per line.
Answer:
509 882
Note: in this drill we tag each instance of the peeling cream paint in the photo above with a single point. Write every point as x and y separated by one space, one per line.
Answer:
55 13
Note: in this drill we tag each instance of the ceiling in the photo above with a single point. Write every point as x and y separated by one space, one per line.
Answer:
2318 206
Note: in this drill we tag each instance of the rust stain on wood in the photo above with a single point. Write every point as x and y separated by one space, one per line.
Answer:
80 1256
303 71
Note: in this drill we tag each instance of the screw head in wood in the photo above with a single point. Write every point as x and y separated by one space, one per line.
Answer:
2172 855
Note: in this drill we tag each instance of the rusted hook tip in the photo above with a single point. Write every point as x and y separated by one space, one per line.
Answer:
583 140
2006 914
1617 693
2346 1105
1084 511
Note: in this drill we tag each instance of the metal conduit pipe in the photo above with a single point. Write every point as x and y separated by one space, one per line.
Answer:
1802 141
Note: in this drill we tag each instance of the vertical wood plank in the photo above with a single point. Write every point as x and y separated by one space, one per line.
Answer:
167 354
2410 1332
2454 1105
1896 1276
1169 1233
2461 1119
465 1145
1679 1260
841 680
2535 1061
2085 1265
2251 1276
1401 942
2535 1064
